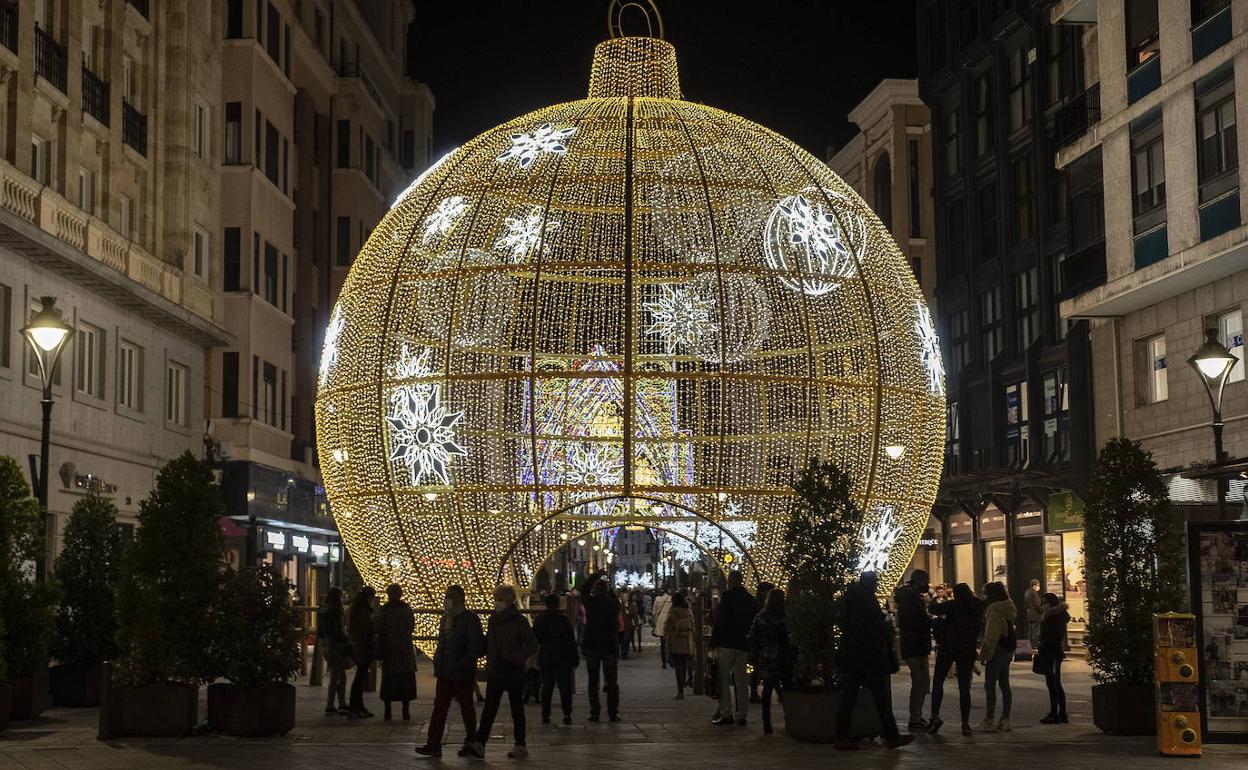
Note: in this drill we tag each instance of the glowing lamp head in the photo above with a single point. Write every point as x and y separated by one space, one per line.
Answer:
47 333
1212 359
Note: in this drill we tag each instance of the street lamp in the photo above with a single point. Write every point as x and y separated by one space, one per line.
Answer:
1213 362
46 333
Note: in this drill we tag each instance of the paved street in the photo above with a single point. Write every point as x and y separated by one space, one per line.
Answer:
657 731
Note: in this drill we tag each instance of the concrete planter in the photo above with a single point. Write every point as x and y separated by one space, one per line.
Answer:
76 686
31 696
1125 709
6 697
251 711
810 717
148 710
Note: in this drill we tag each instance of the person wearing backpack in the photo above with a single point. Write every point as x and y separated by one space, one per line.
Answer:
997 653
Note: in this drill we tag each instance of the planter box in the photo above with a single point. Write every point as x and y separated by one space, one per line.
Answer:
31 696
148 710
811 716
251 711
6 697
1125 709
76 686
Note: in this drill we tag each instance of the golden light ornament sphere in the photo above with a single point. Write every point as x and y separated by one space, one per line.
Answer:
627 310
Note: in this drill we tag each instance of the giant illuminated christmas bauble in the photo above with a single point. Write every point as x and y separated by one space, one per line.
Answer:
624 310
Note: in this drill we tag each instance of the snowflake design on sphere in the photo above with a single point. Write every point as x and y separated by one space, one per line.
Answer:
878 540
422 430
680 317
443 218
527 147
929 351
526 234
329 350
797 225
590 466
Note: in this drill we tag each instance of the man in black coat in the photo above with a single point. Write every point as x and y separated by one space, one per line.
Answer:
601 645
460 644
866 661
556 657
915 627
730 636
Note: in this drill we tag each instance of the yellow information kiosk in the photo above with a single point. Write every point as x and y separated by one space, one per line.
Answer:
1178 684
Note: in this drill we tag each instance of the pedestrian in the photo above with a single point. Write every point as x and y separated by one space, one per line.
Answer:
761 601
363 633
769 651
730 636
678 631
997 653
602 649
460 644
509 641
662 604
332 638
1033 609
625 625
1052 651
915 627
867 660
956 629
557 657
395 625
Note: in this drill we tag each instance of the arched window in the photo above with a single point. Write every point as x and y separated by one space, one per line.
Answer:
884 190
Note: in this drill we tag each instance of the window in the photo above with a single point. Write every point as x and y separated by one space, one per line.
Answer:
1017 426
988 221
883 184
86 190
1056 416
125 215
255 263
129 82
1157 386
344 144
6 326
1216 155
916 183
1203 10
1059 207
175 393
270 152
951 141
229 384
957 347
991 335
233 133
953 437
1148 173
200 253
234 19
269 397
285 165
344 241
936 32
1142 28
273 38
201 131
1021 179
40 159
1058 69
91 47
1026 308
1061 326
89 360
955 227
1087 201
270 274
968 22
983 114
1020 89
1231 334
232 256
370 159
129 372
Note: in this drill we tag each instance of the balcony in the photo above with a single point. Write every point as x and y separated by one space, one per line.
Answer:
133 128
1077 117
354 70
94 96
8 24
1144 79
1073 12
1083 270
49 58
142 6
1211 34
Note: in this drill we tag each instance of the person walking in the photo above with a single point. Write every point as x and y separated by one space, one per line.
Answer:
509 641
867 661
460 643
331 635
914 625
769 651
956 625
395 625
662 603
730 636
760 602
997 653
1033 609
363 633
602 649
557 657
678 631
625 625
1051 653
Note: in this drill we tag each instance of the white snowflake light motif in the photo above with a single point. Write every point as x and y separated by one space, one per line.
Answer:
878 540
422 430
527 147
929 351
443 218
804 237
593 467
680 317
329 350
526 234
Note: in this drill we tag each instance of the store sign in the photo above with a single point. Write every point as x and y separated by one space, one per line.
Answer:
1029 522
961 529
276 540
928 542
1065 512
299 543
335 553
992 524
320 550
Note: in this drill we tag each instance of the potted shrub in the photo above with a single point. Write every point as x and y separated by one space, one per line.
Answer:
25 604
257 642
1133 561
164 599
86 621
821 560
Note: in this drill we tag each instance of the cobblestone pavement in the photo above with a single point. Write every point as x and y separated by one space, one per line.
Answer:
656 731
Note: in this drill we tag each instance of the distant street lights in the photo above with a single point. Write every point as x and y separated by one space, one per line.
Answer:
46 333
1213 362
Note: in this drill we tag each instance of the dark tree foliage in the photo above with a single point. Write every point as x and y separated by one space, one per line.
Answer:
170 578
821 560
1133 562
256 634
87 571
25 605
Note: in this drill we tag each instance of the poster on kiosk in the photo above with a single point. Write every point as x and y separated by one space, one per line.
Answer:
1218 564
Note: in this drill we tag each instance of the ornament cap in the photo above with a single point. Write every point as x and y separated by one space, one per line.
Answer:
634 66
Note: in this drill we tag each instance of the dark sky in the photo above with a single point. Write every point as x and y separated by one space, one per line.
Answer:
796 67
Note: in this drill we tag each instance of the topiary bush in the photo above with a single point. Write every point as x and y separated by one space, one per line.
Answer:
256 630
25 605
1133 562
87 570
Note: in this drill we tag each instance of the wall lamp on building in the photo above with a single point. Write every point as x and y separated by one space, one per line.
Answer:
1213 362
46 333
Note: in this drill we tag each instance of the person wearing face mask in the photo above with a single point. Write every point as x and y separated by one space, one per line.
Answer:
460 644
509 643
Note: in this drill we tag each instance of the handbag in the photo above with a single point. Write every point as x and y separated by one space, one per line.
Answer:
1040 663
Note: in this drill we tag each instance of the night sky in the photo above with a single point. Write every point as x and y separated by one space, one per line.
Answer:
795 67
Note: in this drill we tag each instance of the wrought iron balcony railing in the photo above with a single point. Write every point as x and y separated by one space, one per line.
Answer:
134 127
8 24
1077 116
49 58
94 95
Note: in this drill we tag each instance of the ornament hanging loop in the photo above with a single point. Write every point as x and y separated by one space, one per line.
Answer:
615 17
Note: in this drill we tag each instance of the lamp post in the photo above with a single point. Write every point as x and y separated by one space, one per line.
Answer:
46 333
1213 362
